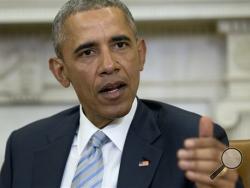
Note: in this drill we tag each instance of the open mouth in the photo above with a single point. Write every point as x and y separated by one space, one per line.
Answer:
113 87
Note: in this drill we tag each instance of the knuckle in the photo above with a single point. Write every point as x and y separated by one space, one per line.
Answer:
195 165
217 155
194 154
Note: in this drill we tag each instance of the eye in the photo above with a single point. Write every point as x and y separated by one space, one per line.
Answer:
121 45
87 52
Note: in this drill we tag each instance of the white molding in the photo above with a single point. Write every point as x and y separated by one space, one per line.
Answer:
230 110
190 11
234 26
142 12
27 15
228 113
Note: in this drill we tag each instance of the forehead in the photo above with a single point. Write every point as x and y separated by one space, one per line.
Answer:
105 20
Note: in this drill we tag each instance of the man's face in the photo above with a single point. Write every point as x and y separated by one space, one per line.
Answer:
102 60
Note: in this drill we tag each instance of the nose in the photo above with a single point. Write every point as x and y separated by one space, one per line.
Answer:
109 64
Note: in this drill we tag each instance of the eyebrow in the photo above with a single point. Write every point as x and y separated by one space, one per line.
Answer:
120 38
84 46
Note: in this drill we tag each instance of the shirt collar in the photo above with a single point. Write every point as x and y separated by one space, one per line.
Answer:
116 131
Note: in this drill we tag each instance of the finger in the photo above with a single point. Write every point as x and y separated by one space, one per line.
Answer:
228 185
231 175
200 154
204 179
206 127
198 166
209 142
200 178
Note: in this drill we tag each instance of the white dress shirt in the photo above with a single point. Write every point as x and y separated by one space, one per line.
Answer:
112 151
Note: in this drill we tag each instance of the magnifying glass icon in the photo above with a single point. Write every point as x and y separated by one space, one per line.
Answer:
231 158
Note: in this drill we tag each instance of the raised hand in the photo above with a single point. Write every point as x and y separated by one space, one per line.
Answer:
201 156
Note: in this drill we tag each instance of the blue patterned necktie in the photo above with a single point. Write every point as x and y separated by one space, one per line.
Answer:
89 172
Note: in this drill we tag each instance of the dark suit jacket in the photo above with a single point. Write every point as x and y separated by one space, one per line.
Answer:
36 154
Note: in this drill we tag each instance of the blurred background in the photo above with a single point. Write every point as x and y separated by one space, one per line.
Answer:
198 59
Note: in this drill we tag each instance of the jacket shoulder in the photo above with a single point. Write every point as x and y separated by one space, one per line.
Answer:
179 122
168 111
46 123
35 134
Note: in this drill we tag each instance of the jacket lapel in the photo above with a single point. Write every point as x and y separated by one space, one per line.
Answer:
140 157
50 160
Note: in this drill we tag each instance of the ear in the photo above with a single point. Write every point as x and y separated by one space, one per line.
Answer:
58 68
142 49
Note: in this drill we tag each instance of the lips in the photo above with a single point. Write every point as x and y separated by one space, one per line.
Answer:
112 87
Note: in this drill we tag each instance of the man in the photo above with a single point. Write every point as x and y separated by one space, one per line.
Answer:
148 144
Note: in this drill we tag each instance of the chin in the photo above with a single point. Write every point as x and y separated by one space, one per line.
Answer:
118 111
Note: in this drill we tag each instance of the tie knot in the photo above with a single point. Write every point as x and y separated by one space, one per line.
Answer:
99 139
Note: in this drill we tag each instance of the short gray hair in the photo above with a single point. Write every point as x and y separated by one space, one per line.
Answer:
74 6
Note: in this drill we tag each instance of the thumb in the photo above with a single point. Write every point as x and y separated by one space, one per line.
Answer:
206 127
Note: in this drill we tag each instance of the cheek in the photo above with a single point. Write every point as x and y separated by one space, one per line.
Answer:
82 71
84 89
82 80
131 61
133 67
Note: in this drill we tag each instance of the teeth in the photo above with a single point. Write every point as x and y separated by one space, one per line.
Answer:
113 91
